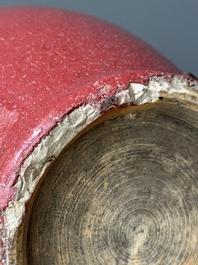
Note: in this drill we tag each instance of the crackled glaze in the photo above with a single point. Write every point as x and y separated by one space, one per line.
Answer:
52 62
45 152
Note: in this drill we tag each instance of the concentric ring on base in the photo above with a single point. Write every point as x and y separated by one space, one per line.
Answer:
123 193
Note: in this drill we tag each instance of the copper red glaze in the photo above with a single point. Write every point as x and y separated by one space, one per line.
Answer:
52 61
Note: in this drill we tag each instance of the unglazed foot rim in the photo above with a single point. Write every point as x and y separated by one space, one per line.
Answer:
124 192
46 152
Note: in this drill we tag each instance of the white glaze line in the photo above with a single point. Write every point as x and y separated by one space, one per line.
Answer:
50 147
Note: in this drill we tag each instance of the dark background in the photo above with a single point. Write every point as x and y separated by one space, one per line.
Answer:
171 26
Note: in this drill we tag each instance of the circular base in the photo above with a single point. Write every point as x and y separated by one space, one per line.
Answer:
124 192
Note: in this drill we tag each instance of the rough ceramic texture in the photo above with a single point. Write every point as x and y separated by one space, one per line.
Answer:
126 191
34 166
48 149
52 62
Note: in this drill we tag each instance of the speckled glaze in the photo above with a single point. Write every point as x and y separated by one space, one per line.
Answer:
51 62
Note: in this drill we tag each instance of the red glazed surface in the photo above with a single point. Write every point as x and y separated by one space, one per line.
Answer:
52 61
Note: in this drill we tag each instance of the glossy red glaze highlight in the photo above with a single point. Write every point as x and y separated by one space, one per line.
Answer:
52 61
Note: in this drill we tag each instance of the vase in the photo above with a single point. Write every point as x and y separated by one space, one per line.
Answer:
99 140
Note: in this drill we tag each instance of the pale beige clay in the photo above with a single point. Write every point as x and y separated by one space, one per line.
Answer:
122 188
